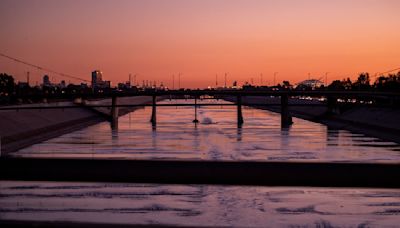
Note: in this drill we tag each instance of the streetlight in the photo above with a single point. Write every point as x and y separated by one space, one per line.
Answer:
179 80
225 79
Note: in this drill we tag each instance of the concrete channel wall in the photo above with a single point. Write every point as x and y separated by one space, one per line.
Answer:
378 122
25 127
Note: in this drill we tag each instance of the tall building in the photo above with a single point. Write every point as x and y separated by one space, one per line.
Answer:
97 80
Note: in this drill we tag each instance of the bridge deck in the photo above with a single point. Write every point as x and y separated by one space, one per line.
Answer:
197 93
149 105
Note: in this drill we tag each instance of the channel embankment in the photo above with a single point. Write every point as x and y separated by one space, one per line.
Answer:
379 122
25 127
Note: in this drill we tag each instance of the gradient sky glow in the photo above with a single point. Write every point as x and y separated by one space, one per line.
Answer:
158 38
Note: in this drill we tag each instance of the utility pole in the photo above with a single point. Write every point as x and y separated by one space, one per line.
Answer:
216 81
134 80
326 78
130 81
27 77
225 79
179 81
173 81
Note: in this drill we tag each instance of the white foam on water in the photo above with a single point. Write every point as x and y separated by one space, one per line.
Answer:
216 138
207 120
176 137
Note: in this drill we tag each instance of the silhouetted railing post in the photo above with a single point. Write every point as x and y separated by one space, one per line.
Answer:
286 118
195 110
154 111
239 111
114 111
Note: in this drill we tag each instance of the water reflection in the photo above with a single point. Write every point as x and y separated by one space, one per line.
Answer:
332 137
216 136
239 131
114 125
198 205
285 137
114 131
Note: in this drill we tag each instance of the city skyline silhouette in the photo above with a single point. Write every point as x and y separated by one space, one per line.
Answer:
155 40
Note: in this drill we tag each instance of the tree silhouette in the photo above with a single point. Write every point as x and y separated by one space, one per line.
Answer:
7 85
390 83
362 82
336 85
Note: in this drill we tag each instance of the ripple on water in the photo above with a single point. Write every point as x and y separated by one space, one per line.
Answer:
176 137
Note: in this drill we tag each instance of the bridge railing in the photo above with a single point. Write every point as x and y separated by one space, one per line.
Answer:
198 93
286 119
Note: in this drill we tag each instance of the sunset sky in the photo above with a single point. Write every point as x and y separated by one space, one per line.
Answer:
158 38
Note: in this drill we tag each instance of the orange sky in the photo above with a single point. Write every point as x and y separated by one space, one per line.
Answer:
158 38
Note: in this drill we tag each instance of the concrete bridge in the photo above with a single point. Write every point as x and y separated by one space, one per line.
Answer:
207 172
331 98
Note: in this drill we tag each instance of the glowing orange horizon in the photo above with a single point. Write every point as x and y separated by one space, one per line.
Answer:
155 39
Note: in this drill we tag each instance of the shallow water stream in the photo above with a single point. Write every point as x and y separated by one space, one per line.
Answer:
216 137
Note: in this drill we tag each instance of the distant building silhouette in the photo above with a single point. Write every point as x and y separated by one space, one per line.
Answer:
310 84
234 84
62 84
124 86
97 81
22 85
96 78
46 81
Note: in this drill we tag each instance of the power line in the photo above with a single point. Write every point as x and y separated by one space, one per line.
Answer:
382 73
43 68
390 71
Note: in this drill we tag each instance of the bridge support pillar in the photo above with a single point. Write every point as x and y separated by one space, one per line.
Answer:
239 111
195 110
154 111
114 111
332 105
286 118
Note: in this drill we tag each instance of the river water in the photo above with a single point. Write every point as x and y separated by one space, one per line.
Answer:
216 137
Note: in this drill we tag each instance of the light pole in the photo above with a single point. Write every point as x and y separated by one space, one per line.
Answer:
326 78
275 73
179 81
225 79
